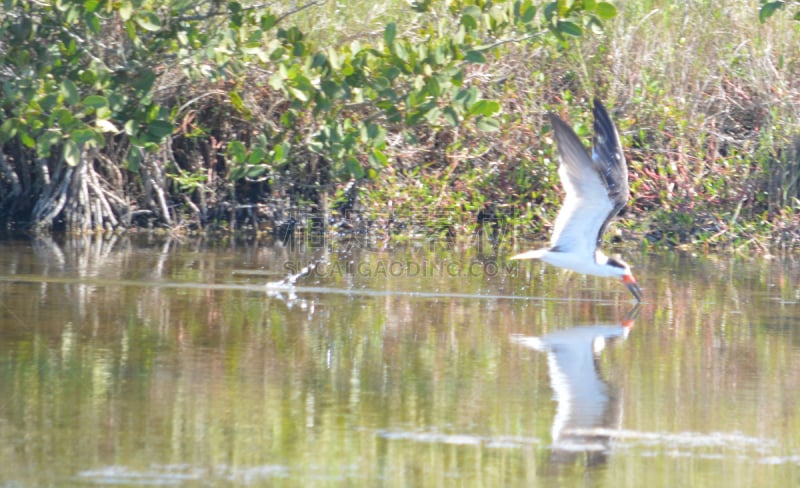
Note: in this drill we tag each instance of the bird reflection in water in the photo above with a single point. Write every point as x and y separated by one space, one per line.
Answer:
589 408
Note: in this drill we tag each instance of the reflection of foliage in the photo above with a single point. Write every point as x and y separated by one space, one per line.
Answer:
214 380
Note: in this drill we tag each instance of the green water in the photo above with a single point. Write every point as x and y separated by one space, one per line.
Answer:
139 362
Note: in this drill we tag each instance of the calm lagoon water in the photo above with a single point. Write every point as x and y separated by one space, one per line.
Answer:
148 361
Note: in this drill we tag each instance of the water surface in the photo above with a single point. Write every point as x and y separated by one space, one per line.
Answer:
149 361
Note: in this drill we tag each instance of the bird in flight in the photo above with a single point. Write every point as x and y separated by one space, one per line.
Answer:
596 190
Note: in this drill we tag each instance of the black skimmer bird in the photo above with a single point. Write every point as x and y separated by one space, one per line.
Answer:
596 190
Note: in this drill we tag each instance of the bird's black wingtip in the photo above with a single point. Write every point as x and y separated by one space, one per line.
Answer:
558 124
599 107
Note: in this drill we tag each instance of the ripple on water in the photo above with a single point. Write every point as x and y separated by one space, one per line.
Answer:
175 475
713 445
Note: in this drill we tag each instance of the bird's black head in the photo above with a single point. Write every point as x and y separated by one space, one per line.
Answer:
617 263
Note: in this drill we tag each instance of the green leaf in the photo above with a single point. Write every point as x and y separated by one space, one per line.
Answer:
83 137
8 129
570 28
468 96
237 151
26 139
450 115
255 172
133 159
144 81
130 127
320 61
469 22
95 101
268 21
103 113
606 10
106 126
278 153
378 159
70 91
91 5
487 124
298 94
235 9
484 107
353 167
257 156
433 87
49 102
46 141
472 11
130 29
390 33
236 101
474 56
332 90
550 10
432 113
92 22
125 10
421 6
72 153
64 118
238 173
376 135
400 52
159 129
768 9
148 21
528 13
276 81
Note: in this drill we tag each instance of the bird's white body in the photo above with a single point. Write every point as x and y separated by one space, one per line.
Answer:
596 189
575 262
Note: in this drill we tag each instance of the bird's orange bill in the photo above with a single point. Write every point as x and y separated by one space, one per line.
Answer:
630 282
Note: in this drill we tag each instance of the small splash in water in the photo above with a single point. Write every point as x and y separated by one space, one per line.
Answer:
276 289
291 280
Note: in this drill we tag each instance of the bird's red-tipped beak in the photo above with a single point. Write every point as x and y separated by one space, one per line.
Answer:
630 282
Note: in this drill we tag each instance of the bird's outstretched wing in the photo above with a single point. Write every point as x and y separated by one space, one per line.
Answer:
609 161
596 188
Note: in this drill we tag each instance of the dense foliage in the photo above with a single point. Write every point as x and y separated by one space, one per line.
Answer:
168 110
199 114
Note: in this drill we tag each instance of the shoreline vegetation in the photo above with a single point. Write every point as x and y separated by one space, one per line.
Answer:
397 121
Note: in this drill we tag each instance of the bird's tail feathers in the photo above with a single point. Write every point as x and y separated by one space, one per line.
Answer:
532 342
535 254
